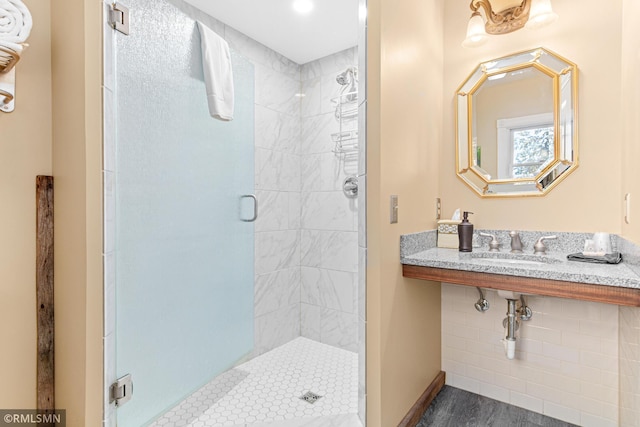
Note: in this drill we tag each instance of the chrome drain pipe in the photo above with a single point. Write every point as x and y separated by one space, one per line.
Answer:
511 326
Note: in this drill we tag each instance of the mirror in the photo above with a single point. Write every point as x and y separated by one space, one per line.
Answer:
516 131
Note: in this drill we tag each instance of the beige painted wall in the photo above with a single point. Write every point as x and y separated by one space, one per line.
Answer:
401 360
631 114
403 135
77 147
25 151
589 200
61 62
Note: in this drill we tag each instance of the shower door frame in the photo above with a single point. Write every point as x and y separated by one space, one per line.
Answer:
108 156
225 211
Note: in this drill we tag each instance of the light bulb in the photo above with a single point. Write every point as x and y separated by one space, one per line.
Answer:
541 14
476 35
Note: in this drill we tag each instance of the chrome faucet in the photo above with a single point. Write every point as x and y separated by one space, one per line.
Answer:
539 248
516 243
494 245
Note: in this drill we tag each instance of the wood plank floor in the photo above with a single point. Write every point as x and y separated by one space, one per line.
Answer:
457 408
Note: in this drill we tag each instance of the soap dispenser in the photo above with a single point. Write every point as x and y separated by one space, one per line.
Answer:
465 234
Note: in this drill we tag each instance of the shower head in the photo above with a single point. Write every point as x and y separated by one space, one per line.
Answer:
345 77
342 78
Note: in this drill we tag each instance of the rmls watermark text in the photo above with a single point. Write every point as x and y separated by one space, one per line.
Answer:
32 417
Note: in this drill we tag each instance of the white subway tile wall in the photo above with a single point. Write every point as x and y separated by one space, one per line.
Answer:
566 363
630 366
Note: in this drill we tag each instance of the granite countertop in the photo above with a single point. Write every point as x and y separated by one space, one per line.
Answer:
420 249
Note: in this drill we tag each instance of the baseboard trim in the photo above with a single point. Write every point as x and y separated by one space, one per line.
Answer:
415 413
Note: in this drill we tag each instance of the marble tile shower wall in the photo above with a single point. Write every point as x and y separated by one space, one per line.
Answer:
277 186
328 219
306 232
285 225
277 183
566 363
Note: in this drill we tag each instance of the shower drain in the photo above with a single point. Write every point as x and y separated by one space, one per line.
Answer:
310 397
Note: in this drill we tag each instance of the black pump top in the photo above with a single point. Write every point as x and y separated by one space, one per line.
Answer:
465 216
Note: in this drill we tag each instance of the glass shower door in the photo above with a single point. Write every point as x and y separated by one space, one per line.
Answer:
184 254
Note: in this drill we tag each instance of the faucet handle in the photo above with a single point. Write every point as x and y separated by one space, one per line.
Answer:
539 248
494 245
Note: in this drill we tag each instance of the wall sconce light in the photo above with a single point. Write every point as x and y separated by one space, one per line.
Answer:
512 15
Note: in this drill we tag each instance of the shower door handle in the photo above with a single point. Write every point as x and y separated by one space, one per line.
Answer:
255 207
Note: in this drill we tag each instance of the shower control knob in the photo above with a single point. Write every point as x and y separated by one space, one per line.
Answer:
350 187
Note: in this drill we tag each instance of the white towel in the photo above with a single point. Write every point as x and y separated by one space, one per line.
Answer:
15 24
218 75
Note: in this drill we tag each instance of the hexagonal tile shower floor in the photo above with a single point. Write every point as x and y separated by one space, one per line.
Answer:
267 391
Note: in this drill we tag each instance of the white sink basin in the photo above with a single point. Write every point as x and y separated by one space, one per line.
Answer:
511 261
506 259
510 294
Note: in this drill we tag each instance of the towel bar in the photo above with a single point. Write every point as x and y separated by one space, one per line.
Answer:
7 97
7 91
15 33
8 59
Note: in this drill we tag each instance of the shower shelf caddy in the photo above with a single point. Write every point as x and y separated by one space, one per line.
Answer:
8 60
346 140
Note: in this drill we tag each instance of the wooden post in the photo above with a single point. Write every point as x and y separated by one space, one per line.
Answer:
44 292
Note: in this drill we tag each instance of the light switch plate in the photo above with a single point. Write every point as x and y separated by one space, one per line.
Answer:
627 208
393 209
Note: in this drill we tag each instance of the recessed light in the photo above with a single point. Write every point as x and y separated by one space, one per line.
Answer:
303 6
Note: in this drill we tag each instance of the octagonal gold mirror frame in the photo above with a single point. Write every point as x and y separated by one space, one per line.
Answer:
533 117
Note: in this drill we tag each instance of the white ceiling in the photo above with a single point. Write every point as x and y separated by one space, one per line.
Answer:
330 27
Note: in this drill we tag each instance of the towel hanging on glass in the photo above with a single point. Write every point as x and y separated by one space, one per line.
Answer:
218 74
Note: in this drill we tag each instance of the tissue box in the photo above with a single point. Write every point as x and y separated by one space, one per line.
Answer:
448 233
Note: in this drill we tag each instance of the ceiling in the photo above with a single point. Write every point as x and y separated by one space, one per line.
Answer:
330 27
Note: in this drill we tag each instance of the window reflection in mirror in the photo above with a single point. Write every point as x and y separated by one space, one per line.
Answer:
515 124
